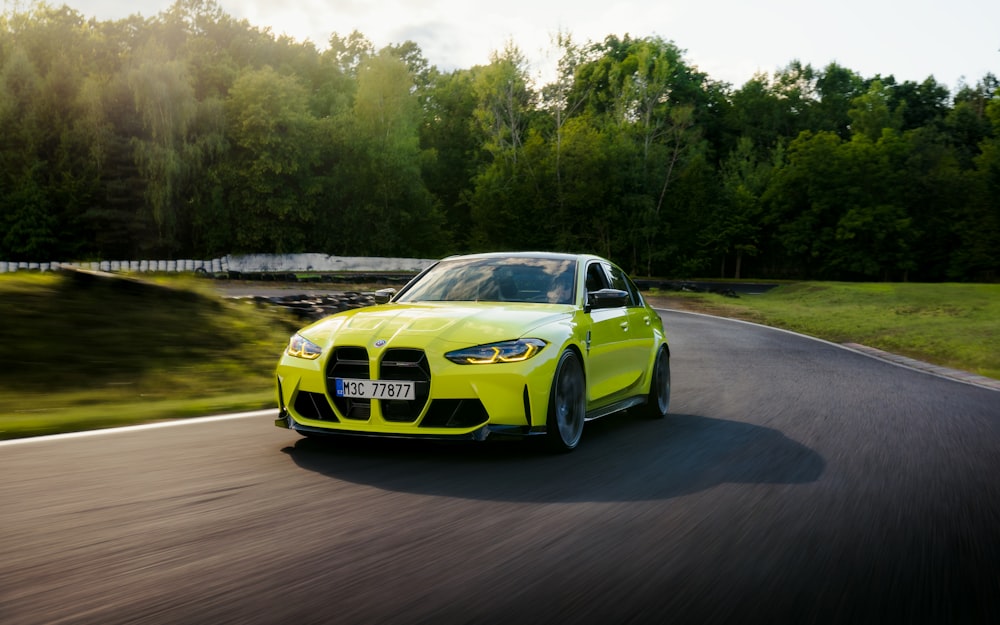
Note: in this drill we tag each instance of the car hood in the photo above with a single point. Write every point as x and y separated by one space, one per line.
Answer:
419 325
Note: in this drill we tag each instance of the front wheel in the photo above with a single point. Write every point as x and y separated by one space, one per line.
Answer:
567 404
658 400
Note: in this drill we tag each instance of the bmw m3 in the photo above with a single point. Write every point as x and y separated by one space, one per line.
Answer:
515 344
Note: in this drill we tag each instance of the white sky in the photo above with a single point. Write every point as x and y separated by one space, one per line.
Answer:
729 40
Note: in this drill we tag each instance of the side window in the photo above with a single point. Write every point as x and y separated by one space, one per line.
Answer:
621 282
634 291
596 280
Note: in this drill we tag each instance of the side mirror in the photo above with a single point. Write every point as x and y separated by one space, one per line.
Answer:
382 296
607 298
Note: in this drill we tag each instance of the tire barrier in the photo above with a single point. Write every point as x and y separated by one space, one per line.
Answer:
214 266
313 307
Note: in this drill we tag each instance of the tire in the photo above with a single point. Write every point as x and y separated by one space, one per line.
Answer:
567 404
658 400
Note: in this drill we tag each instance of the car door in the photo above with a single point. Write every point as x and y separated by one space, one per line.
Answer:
638 343
607 351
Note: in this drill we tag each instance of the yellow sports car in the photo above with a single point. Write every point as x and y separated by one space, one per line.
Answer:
481 345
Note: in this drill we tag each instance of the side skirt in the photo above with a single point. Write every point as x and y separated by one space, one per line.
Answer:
625 404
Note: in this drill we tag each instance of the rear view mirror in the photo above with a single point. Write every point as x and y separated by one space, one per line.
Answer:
607 298
382 296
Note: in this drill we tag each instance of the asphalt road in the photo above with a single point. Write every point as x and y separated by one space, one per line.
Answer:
795 482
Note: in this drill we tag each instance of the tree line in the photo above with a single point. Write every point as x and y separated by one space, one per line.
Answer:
192 134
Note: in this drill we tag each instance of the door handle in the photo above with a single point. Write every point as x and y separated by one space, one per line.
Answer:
624 325
646 319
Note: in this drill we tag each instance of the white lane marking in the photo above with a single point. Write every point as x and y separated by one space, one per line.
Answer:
136 428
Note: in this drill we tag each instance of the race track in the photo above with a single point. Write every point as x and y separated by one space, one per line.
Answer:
794 482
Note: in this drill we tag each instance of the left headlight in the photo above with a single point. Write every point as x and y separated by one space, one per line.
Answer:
506 351
301 347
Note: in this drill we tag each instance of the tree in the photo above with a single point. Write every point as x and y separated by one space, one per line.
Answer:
870 113
735 227
165 102
267 179
348 53
24 208
584 215
978 222
505 100
837 207
46 175
836 88
390 212
505 183
967 123
802 204
652 77
562 104
760 115
874 232
933 191
920 104
448 133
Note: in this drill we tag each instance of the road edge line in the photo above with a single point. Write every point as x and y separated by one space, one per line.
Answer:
136 428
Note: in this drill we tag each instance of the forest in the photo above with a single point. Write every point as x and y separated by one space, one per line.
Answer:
192 134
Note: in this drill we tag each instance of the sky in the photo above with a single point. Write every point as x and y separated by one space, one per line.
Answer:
730 40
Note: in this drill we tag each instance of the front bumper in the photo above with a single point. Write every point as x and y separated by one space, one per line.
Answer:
462 402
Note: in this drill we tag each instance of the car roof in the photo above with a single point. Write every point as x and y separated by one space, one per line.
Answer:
546 255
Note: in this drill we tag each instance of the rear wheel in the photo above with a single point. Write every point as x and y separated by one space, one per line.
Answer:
658 401
567 404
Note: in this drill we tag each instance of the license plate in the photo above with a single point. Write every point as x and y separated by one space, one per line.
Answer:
374 389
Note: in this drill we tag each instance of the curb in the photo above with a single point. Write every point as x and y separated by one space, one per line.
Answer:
910 363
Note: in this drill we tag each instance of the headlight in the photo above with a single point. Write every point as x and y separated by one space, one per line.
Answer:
301 347
507 351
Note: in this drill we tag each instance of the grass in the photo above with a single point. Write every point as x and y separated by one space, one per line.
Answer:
952 325
81 351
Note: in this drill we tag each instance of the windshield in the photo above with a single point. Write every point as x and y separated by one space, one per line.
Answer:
499 279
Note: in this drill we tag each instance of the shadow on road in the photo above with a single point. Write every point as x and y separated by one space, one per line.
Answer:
621 458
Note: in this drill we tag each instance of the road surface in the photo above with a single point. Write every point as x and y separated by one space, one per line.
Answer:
794 482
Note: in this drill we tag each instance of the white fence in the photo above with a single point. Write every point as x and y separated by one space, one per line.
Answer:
248 263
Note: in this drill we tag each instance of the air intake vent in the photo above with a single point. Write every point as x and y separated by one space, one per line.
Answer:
349 362
405 364
455 413
314 406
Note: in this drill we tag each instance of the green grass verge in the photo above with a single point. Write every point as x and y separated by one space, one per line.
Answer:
81 351
952 325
